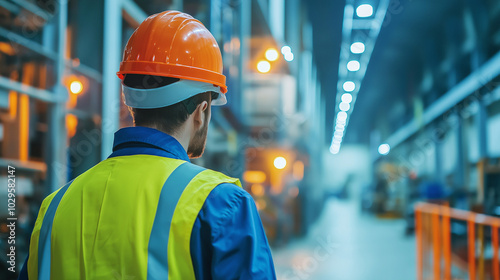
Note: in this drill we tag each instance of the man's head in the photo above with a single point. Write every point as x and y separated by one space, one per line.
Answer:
188 118
171 73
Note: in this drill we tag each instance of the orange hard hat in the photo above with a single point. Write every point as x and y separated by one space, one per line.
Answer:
174 44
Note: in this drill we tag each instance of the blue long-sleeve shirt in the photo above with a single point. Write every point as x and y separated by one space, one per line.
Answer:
227 240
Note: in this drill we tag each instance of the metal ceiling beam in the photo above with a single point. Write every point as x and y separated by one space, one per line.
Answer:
44 51
34 9
362 24
132 13
85 70
372 37
475 81
40 94
10 7
31 166
371 28
29 44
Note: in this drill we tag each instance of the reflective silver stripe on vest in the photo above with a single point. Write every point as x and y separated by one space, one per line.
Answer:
44 241
169 196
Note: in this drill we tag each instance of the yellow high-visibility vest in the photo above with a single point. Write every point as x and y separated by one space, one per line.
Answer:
128 217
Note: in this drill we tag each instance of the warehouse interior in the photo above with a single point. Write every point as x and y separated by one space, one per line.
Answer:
367 131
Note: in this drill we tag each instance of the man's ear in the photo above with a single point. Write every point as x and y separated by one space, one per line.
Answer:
199 114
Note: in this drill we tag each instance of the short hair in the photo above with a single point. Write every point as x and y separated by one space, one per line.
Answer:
167 119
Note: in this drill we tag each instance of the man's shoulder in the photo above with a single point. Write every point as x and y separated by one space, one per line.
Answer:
227 197
229 190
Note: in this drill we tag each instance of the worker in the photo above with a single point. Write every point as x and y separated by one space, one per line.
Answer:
146 212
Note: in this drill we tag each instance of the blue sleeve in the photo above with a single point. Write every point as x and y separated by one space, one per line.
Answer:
228 240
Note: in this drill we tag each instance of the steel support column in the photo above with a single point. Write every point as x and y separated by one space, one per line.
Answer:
133 13
110 83
459 179
56 136
245 9
438 158
245 28
481 124
215 18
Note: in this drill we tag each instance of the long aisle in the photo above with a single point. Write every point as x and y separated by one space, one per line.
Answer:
346 245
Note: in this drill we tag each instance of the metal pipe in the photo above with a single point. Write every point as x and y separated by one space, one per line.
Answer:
447 245
34 9
496 262
436 245
110 83
476 80
85 70
36 93
245 9
472 248
27 43
427 241
46 52
56 143
418 232
480 235
10 7
458 214
177 5
133 14
434 212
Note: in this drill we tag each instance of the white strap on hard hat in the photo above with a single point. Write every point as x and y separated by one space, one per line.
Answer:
169 94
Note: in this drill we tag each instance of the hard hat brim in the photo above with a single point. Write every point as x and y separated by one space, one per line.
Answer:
169 94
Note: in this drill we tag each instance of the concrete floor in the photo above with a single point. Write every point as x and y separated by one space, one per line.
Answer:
347 245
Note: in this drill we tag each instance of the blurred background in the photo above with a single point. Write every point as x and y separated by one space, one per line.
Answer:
341 116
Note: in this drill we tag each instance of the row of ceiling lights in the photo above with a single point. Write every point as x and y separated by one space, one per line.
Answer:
346 99
357 48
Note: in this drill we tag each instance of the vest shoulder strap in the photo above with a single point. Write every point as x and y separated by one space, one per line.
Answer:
185 214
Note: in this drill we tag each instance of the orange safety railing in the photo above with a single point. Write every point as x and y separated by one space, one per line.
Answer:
433 233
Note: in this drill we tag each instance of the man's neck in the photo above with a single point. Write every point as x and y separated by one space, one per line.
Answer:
180 135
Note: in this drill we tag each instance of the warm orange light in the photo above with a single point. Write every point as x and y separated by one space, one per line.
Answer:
254 176
76 87
71 124
257 189
7 48
298 170
24 112
72 101
13 97
76 84
12 104
24 124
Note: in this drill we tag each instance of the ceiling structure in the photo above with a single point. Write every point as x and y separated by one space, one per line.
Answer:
417 37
